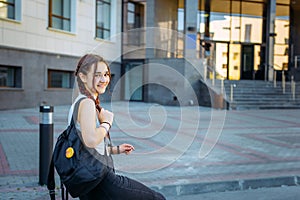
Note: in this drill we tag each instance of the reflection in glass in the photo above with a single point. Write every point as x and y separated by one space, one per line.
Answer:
221 60
282 23
234 61
251 22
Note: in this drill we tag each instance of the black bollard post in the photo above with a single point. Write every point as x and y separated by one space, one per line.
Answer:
46 142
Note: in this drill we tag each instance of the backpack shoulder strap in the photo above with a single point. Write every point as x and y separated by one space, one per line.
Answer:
75 110
51 181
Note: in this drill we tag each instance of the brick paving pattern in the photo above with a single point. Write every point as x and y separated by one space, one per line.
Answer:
249 148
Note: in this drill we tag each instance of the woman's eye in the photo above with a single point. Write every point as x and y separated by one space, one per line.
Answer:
99 75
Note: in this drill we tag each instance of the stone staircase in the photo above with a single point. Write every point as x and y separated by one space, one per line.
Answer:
257 94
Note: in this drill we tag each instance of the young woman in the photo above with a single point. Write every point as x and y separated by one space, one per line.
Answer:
93 76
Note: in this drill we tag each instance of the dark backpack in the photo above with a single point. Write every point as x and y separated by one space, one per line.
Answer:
80 168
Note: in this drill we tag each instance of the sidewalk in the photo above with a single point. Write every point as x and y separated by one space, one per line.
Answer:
179 150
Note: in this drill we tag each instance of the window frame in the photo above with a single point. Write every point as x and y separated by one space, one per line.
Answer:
71 19
17 77
102 28
49 78
17 5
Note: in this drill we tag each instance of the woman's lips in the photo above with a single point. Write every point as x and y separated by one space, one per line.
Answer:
102 85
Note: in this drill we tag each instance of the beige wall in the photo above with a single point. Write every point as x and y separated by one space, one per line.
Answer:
32 32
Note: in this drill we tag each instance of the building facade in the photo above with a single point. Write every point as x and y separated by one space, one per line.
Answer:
159 50
213 39
41 42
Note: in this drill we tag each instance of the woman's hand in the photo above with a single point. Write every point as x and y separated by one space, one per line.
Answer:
126 148
106 116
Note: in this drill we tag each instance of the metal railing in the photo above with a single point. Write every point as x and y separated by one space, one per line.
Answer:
210 73
283 84
293 88
231 92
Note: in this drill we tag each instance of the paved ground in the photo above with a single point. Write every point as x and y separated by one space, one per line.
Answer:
179 150
270 193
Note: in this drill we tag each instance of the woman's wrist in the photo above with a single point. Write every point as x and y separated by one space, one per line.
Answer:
106 128
115 149
107 124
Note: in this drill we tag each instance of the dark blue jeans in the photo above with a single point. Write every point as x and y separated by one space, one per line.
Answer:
116 187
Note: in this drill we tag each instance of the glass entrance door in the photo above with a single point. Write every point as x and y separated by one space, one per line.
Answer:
247 62
133 78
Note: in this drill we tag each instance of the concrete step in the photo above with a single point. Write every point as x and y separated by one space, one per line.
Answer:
261 95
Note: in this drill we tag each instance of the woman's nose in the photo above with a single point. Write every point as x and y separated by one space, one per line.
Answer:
102 78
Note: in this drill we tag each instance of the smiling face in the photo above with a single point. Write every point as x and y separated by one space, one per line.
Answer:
96 80
101 77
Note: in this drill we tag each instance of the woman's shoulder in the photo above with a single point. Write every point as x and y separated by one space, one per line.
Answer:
83 99
87 103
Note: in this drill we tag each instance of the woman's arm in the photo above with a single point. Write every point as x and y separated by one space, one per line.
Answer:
91 135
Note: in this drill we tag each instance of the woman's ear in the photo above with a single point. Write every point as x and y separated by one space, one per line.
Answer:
82 77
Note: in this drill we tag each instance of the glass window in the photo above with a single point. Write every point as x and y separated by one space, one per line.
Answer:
10 9
7 9
201 23
239 21
257 49
60 14
282 26
131 16
133 23
234 61
134 79
235 21
60 79
10 76
219 18
103 12
251 22
135 13
221 60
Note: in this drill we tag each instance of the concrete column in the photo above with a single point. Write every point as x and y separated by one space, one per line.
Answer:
294 49
192 67
271 17
150 24
190 27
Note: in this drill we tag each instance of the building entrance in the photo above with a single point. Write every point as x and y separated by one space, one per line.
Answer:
133 80
247 62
